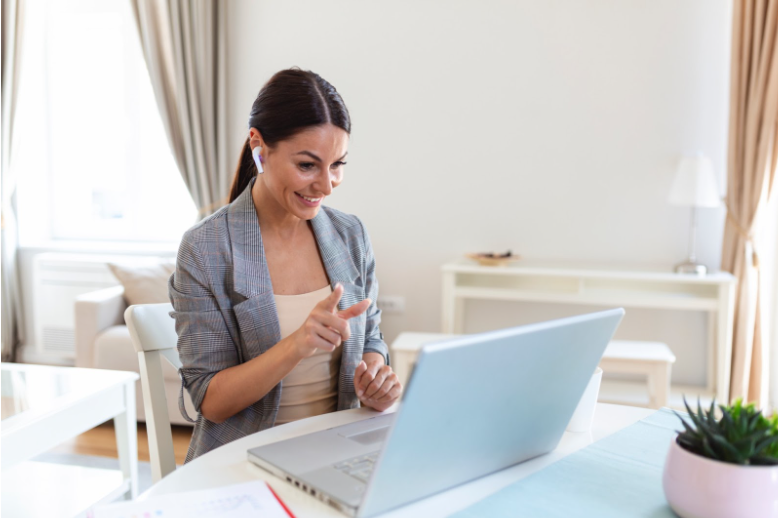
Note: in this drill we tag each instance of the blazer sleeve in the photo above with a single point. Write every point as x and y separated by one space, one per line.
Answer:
374 339
205 344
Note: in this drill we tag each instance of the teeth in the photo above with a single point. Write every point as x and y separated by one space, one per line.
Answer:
312 200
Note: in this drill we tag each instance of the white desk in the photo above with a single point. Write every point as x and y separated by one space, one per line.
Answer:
657 289
43 406
229 465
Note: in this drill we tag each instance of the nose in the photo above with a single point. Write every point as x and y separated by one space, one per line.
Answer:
324 183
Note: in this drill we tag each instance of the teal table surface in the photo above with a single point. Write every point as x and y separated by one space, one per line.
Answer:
617 477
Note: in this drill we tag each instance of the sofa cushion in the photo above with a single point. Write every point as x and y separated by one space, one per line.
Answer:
114 350
145 282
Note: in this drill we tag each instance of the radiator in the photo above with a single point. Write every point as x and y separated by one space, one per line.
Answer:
57 280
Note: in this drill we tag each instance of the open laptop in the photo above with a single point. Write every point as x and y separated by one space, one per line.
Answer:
474 405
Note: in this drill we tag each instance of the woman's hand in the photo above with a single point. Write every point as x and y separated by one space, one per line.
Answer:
376 384
326 327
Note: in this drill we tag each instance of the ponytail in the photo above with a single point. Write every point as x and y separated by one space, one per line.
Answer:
245 172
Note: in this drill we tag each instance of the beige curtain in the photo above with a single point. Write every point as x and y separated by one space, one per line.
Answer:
753 156
12 325
184 43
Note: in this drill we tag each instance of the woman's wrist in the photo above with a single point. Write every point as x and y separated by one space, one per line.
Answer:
291 350
373 356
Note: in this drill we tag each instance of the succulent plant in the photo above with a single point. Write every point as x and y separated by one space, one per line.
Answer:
742 435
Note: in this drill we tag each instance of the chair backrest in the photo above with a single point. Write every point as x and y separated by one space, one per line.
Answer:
154 335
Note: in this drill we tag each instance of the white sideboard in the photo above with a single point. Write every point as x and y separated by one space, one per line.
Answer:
601 286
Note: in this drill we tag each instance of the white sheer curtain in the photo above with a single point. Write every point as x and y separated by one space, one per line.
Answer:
12 325
184 43
770 288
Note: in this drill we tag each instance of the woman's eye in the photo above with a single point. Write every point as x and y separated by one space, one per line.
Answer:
338 164
306 166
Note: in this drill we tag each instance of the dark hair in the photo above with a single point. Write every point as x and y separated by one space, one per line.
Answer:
291 101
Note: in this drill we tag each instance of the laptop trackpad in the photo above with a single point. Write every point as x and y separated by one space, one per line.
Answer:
370 436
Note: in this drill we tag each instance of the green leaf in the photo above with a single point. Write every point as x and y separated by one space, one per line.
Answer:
706 447
742 424
764 445
754 421
688 409
730 451
686 425
692 445
728 424
712 413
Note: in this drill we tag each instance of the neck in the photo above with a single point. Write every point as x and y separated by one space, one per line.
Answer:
274 219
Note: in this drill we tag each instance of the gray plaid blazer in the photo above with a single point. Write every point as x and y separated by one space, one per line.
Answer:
225 311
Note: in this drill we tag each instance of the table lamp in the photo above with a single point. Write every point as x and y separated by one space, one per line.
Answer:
694 186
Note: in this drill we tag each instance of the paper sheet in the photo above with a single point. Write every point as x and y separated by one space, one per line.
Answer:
250 499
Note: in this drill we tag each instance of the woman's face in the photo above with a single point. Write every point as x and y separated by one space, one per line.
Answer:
301 171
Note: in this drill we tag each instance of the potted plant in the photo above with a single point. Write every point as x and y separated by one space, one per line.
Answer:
725 467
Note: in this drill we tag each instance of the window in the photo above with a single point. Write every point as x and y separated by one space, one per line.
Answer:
91 154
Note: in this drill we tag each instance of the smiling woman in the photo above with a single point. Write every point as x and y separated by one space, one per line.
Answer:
274 294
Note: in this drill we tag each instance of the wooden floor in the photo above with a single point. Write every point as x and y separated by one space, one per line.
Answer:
101 441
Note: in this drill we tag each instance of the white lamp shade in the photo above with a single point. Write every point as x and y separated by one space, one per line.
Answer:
695 183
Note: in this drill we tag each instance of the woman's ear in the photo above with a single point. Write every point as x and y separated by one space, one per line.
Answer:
255 138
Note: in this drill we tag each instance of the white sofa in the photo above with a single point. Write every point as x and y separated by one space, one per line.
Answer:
103 342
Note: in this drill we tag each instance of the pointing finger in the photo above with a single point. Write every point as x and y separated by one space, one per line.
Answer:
355 310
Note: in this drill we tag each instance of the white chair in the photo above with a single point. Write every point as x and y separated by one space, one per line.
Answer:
153 335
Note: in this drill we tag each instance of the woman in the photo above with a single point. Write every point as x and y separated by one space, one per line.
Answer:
274 295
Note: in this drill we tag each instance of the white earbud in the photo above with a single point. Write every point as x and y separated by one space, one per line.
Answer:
257 158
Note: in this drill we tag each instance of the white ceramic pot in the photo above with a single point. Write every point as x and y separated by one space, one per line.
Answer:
698 487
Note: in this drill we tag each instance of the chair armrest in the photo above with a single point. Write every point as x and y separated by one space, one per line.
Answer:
96 311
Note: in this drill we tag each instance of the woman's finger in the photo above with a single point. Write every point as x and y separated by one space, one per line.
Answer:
328 335
355 310
393 394
377 382
361 368
334 322
367 378
386 386
330 303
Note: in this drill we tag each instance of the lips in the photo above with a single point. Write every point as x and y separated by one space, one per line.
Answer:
309 201
312 200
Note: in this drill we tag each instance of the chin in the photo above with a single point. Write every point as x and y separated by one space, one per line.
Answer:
309 214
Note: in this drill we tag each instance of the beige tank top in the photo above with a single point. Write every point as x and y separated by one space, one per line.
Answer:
312 386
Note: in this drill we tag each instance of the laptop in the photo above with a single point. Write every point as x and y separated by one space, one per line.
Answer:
474 405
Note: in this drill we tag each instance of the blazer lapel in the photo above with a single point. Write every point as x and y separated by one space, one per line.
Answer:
250 274
334 252
257 315
341 269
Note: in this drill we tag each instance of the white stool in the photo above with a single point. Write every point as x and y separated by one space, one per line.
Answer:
406 347
652 359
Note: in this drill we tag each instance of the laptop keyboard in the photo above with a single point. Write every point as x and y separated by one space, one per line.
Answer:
359 467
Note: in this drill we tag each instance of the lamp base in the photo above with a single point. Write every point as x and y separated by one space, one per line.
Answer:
693 268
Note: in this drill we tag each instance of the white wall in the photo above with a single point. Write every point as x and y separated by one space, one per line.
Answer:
551 128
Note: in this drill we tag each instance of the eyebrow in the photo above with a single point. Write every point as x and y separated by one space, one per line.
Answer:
317 158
